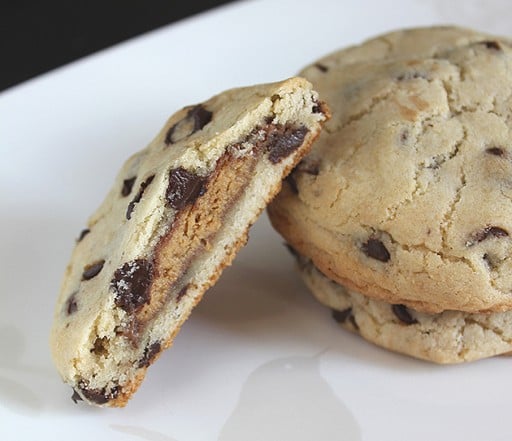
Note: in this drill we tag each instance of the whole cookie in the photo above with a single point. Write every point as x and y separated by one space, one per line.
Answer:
176 215
446 337
407 195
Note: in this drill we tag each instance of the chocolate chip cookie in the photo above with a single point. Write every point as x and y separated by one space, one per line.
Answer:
178 212
406 196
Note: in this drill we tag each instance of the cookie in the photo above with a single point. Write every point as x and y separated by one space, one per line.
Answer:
176 215
406 196
446 337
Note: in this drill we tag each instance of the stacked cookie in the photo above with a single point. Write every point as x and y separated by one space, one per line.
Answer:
401 216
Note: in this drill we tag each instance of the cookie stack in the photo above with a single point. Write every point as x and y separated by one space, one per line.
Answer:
401 216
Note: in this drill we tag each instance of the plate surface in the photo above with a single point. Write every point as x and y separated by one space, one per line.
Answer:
258 359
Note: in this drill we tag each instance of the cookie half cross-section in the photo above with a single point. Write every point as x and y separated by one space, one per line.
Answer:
176 215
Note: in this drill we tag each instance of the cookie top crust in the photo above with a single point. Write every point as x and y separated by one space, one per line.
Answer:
176 215
406 197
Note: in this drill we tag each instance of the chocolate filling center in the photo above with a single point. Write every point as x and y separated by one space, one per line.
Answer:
203 203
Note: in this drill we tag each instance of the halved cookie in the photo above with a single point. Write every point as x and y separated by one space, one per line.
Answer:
178 212
406 196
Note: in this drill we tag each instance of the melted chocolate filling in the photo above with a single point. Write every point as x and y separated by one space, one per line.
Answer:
98 396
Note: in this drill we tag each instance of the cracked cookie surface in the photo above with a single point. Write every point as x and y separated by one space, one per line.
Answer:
446 337
407 196
176 215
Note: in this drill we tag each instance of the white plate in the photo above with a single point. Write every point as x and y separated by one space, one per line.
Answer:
258 359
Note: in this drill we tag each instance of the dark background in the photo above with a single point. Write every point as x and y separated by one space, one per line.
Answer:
37 36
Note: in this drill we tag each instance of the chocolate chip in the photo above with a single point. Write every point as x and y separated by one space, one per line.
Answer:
131 330
284 140
403 314
278 140
149 354
127 186
436 162
341 316
290 180
71 304
485 233
83 233
98 396
497 151
310 166
321 67
268 120
197 117
131 284
138 196
100 347
493 45
375 249
76 397
182 292
184 188
201 117
404 136
92 270
317 108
